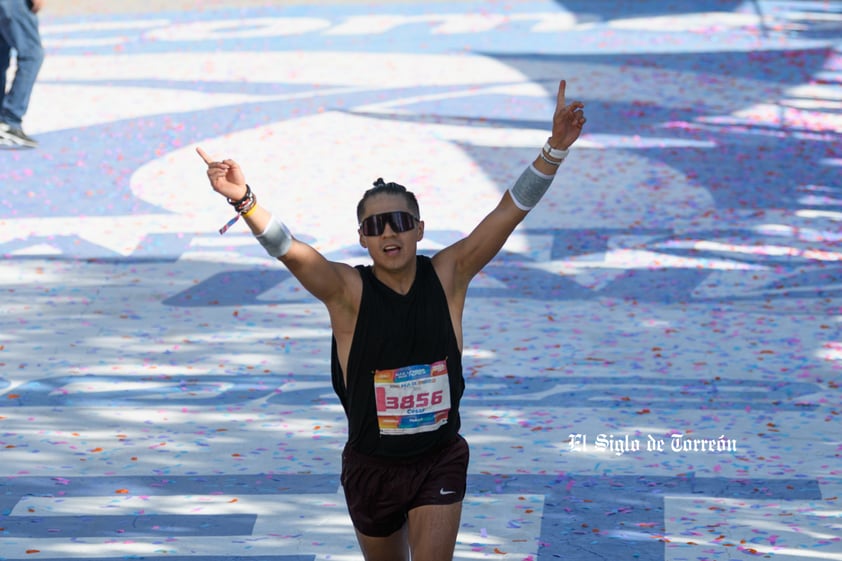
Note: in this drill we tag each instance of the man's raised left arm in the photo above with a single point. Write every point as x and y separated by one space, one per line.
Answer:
464 259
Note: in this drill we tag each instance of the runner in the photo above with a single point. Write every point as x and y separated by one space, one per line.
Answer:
397 345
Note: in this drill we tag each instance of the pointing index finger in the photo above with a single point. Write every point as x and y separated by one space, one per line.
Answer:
561 87
208 160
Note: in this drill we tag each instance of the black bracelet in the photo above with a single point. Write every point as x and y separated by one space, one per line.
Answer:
241 201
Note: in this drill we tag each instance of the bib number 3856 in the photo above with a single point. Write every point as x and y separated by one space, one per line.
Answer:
412 399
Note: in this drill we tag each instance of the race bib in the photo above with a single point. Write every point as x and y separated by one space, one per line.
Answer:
412 399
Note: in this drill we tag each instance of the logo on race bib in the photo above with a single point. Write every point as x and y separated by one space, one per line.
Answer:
412 399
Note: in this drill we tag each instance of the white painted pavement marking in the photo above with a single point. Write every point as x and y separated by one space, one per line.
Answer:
404 70
62 35
506 526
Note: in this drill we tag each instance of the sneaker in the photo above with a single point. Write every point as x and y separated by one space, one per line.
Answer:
14 136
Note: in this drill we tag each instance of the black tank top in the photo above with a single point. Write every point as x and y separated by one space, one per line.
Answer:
404 368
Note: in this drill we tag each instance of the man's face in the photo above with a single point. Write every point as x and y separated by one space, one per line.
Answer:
391 249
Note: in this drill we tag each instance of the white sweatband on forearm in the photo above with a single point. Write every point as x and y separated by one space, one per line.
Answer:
276 238
530 187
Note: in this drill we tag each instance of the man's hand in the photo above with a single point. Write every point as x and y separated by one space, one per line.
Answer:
225 177
567 121
36 5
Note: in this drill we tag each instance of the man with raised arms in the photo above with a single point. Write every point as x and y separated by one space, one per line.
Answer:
397 345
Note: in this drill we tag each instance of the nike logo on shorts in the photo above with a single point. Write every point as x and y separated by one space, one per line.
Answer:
443 492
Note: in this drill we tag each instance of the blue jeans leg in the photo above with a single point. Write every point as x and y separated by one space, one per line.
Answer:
5 61
19 31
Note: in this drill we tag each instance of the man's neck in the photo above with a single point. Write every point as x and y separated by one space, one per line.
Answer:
399 280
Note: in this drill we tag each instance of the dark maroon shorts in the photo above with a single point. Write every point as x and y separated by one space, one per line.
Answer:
380 492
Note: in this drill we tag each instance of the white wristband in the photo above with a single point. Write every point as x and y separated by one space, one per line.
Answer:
555 153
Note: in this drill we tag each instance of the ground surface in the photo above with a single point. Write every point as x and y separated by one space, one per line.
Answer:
164 390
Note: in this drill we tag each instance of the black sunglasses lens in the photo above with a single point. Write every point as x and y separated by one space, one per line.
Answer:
399 221
373 225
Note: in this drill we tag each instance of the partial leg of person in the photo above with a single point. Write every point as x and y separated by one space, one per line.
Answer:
433 530
19 27
5 62
376 493
390 548
433 518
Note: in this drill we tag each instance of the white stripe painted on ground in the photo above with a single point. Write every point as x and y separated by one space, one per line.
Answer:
287 524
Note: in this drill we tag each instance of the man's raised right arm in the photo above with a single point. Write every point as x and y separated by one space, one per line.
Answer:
329 281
